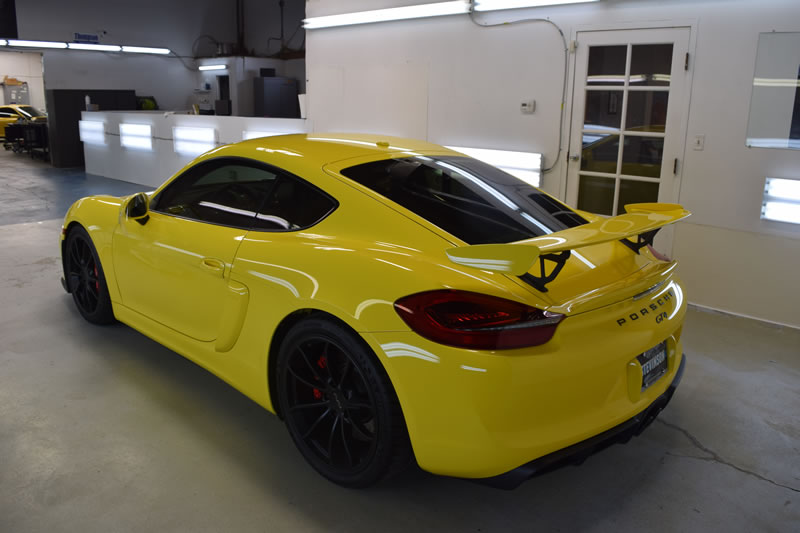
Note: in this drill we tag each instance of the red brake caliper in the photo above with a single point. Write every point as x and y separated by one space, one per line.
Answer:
322 362
97 278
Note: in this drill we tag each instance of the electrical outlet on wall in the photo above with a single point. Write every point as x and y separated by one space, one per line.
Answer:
698 142
527 107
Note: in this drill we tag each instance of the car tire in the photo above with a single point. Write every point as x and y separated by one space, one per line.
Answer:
85 278
339 406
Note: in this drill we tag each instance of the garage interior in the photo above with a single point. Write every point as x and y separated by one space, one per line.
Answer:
103 429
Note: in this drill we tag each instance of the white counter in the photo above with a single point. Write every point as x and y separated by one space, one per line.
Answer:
105 155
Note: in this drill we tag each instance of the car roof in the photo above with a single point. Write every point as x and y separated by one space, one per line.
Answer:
325 148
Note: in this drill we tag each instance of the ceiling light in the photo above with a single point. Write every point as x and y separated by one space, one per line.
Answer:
494 5
3 42
212 67
97 47
36 44
382 15
145 50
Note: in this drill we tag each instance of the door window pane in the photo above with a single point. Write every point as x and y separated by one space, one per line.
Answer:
606 65
651 64
293 204
641 156
600 155
634 192
221 191
596 195
647 111
603 110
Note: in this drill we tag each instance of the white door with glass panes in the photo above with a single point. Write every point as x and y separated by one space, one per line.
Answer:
629 103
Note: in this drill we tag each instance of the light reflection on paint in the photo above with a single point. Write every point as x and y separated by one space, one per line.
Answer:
401 349
331 248
472 368
556 241
279 281
174 249
583 259
678 300
392 264
367 303
380 243
310 277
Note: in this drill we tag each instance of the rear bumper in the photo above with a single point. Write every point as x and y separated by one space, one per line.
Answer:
578 453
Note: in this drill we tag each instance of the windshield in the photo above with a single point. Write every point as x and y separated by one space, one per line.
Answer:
476 202
30 112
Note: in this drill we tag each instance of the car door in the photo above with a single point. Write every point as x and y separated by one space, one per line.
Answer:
174 268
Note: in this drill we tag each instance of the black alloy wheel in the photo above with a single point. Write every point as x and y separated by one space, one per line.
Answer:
85 278
339 406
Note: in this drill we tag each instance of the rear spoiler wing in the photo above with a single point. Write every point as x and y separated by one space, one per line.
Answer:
640 220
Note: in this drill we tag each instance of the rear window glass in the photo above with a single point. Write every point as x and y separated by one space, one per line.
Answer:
476 202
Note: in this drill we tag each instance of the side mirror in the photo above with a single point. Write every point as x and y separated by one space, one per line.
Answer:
137 208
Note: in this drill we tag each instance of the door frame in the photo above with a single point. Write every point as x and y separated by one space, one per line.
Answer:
681 135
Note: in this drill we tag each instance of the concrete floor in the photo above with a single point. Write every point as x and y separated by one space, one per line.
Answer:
101 429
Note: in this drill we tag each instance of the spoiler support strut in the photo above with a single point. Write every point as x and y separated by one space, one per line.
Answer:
642 240
539 282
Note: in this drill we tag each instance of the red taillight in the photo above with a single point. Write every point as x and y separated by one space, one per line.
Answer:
477 321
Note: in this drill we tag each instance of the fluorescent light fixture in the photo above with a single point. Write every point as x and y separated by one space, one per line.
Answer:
776 82
781 200
253 134
95 47
92 131
382 15
493 5
523 165
212 67
36 44
3 42
145 50
136 136
193 141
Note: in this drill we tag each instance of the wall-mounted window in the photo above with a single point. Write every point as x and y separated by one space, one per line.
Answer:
775 104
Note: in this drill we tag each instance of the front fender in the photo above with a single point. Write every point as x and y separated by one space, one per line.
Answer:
99 216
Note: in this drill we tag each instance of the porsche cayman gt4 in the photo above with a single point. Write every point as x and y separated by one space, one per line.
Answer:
394 301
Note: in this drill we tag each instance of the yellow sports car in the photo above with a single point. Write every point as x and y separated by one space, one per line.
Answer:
393 300
12 113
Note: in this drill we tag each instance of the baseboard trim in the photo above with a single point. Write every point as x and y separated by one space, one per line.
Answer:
709 309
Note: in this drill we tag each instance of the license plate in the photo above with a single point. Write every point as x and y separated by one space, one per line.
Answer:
654 364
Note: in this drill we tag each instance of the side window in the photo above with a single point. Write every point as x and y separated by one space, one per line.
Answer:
293 204
226 192
7 112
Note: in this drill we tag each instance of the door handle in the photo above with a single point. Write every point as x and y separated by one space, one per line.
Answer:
212 265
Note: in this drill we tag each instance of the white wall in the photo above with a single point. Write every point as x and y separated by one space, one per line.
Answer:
25 66
262 22
187 27
450 81
151 167
175 25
